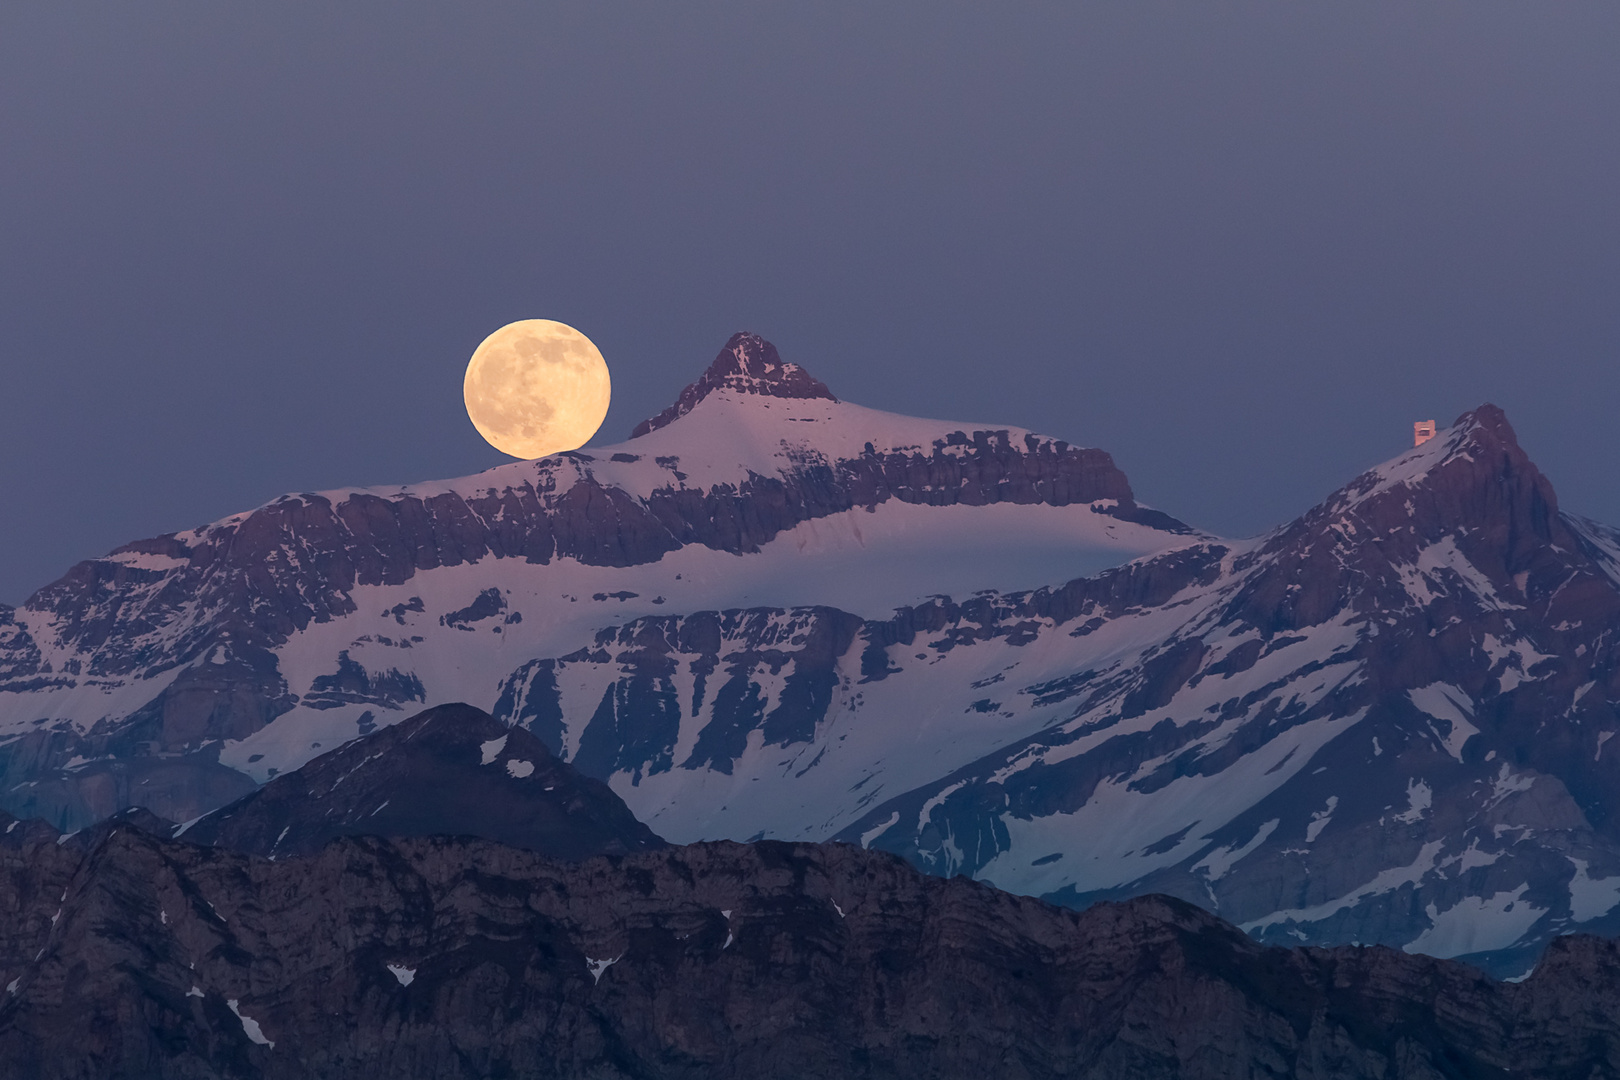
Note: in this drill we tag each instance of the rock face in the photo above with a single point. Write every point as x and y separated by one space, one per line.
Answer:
450 770
750 365
129 678
140 958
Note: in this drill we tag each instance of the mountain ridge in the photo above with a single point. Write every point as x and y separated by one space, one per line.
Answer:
135 956
1382 722
146 661
1460 649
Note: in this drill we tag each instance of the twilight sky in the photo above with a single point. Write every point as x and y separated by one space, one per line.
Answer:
248 249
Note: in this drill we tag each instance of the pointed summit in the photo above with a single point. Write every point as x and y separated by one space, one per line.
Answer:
748 365
1470 495
451 770
1472 476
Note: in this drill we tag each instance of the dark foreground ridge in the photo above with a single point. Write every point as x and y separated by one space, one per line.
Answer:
450 771
125 955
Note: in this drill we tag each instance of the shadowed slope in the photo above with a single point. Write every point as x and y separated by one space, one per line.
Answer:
451 770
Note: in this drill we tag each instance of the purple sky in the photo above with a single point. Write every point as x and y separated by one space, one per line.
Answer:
247 249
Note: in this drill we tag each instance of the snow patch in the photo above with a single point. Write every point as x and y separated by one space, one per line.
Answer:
1476 924
597 967
1508 782
519 769
935 801
1474 857
1419 797
878 830
1385 881
1516 660
491 750
1219 861
405 975
1320 819
250 1026
1444 702
145 560
1591 897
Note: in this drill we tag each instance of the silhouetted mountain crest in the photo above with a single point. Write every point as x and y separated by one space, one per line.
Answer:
458 958
749 365
452 770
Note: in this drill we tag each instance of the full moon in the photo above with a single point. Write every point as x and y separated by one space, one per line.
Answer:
536 387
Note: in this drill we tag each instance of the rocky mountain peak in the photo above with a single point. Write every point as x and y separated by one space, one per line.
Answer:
1471 477
1487 424
748 365
450 770
1470 495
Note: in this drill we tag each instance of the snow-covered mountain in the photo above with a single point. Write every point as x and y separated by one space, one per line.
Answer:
178 672
775 614
1385 722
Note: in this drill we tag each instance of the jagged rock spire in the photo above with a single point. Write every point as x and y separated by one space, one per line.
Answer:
749 365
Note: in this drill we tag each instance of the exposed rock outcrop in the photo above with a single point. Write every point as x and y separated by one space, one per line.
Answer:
443 958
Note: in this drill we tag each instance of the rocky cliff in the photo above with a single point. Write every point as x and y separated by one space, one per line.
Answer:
131 956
